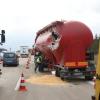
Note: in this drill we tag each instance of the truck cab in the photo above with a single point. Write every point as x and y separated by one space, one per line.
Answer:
97 78
97 90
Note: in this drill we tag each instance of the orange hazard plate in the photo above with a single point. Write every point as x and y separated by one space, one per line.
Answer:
82 63
70 64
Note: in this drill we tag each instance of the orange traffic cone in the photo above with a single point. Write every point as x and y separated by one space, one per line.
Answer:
22 86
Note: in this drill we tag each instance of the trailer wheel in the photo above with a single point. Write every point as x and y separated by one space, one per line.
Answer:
57 72
62 78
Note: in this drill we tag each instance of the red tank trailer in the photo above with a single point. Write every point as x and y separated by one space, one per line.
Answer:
65 45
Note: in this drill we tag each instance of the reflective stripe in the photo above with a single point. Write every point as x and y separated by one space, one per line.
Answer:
38 60
22 84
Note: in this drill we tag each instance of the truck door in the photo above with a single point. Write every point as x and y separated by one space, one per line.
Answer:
98 76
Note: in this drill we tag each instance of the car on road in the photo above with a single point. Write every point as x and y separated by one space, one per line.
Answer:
10 58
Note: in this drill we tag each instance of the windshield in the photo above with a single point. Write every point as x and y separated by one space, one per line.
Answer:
9 55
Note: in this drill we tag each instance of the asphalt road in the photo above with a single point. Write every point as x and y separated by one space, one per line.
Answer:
73 89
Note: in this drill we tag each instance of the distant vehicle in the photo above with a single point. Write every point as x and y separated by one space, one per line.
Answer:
10 58
24 51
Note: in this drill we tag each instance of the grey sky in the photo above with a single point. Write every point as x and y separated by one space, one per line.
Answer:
21 19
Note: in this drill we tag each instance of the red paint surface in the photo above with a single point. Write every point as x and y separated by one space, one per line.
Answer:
76 37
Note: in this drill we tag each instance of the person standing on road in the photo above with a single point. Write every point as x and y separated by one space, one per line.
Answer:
38 62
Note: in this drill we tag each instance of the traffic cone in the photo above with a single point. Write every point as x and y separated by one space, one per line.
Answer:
22 86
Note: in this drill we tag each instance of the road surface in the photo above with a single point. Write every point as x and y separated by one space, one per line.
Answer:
72 90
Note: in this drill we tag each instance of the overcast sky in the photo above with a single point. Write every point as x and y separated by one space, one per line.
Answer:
21 19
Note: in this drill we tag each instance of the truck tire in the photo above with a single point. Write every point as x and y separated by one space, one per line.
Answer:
62 75
57 72
62 78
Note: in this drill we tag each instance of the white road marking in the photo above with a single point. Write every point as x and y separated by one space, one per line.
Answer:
91 82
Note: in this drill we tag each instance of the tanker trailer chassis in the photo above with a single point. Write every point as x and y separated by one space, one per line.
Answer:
64 72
